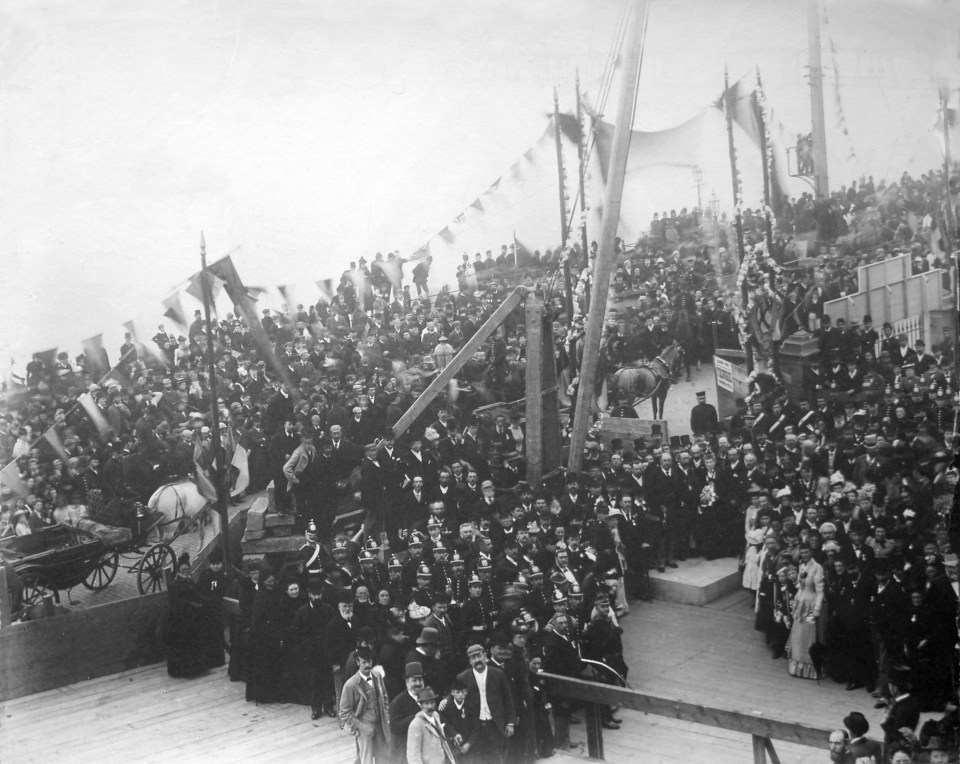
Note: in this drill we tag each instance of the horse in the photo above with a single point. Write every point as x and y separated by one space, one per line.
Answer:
179 503
649 380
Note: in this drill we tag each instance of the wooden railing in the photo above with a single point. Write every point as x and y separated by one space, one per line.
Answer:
762 730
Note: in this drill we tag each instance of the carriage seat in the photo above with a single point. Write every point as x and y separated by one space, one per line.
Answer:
110 535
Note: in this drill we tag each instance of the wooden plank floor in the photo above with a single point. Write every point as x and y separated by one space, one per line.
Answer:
709 655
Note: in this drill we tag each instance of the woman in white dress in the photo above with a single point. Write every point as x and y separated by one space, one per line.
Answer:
809 620
756 528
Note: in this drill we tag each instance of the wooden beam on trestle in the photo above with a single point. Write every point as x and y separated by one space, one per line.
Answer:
470 347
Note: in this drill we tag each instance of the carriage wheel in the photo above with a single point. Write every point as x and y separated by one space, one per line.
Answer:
101 576
32 590
155 560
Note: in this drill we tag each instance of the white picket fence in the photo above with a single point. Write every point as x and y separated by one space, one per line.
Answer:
912 326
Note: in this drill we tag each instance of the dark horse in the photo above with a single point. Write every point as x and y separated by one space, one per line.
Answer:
649 380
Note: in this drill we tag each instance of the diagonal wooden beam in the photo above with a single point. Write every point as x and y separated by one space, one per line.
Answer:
470 347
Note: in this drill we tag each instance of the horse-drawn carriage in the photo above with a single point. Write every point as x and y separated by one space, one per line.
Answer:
89 550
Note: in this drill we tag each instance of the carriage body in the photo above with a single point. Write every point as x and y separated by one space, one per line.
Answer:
56 557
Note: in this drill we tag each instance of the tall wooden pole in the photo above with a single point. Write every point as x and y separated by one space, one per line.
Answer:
767 184
820 179
728 107
218 465
606 255
950 222
564 228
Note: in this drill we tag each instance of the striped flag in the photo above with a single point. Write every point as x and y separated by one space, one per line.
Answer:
241 462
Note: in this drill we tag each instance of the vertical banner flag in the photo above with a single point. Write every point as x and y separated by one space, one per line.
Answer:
204 485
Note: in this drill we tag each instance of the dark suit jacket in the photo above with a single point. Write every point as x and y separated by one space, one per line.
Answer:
499 697
402 710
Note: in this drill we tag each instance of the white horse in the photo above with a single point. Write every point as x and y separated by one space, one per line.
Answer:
179 503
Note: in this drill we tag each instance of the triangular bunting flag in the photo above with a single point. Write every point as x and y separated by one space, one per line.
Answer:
10 477
53 438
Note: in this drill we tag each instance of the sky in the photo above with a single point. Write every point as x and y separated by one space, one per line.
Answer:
300 135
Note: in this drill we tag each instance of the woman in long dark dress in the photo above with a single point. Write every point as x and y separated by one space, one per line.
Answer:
294 679
213 583
184 632
244 590
266 639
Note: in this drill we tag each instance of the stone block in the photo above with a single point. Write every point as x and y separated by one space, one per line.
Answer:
274 521
256 515
272 545
696 581
271 497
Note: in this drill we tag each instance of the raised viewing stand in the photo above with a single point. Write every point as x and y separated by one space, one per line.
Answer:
696 581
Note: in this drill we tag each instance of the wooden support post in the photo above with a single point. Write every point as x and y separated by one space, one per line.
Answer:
470 347
759 751
6 607
594 731
606 254
534 389
771 751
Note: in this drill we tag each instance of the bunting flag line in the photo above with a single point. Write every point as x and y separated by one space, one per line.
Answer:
326 289
94 412
244 305
195 287
96 355
477 204
48 358
241 462
10 477
174 310
53 438
204 484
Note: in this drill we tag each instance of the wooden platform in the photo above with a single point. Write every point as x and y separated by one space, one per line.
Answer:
709 655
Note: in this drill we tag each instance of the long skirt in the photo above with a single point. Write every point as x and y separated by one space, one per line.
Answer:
803 636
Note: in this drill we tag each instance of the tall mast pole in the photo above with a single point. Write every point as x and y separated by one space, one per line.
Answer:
767 184
218 465
581 156
738 219
606 254
820 180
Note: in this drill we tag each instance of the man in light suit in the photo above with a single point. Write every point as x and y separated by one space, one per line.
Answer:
364 712
426 743
301 471
490 703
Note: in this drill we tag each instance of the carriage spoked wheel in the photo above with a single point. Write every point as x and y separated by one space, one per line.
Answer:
104 572
155 560
33 590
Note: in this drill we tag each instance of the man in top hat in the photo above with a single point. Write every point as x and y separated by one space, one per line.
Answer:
703 417
426 653
426 742
491 705
403 708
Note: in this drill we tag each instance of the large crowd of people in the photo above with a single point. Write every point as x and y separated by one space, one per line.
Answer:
434 582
